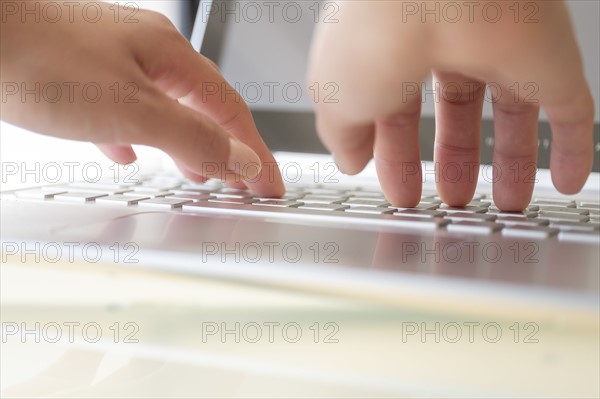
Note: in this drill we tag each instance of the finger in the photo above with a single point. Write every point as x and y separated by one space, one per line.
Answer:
549 68
458 109
236 183
188 76
566 98
515 152
350 144
571 114
397 155
342 55
193 139
190 175
122 154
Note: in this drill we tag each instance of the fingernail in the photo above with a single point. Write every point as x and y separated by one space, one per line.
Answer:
243 160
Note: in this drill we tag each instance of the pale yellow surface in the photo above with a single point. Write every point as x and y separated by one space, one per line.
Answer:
370 359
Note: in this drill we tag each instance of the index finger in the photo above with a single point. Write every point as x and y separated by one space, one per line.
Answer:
183 74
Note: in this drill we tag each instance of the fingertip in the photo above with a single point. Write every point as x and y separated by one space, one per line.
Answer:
118 153
269 184
404 201
568 185
572 151
350 144
570 173
508 201
454 197
402 185
352 164
243 160
188 174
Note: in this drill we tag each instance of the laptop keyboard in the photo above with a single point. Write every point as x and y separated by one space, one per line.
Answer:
568 220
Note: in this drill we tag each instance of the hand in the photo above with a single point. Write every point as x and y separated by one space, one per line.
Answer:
115 78
378 49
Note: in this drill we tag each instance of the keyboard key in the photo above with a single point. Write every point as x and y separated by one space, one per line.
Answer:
118 199
555 203
470 217
164 203
474 227
365 195
465 209
421 206
592 237
529 231
521 221
480 204
191 191
157 187
323 207
78 197
297 189
571 211
524 214
489 200
109 185
370 210
38 194
418 213
326 192
323 199
589 205
149 194
91 189
193 197
232 200
208 186
278 203
286 196
234 191
575 226
530 208
427 207
555 216
289 196
427 200
230 195
366 202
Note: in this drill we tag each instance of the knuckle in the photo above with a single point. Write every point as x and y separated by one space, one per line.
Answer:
233 116
454 149
402 119
514 109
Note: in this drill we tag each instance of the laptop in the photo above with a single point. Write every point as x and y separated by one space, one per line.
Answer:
330 233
